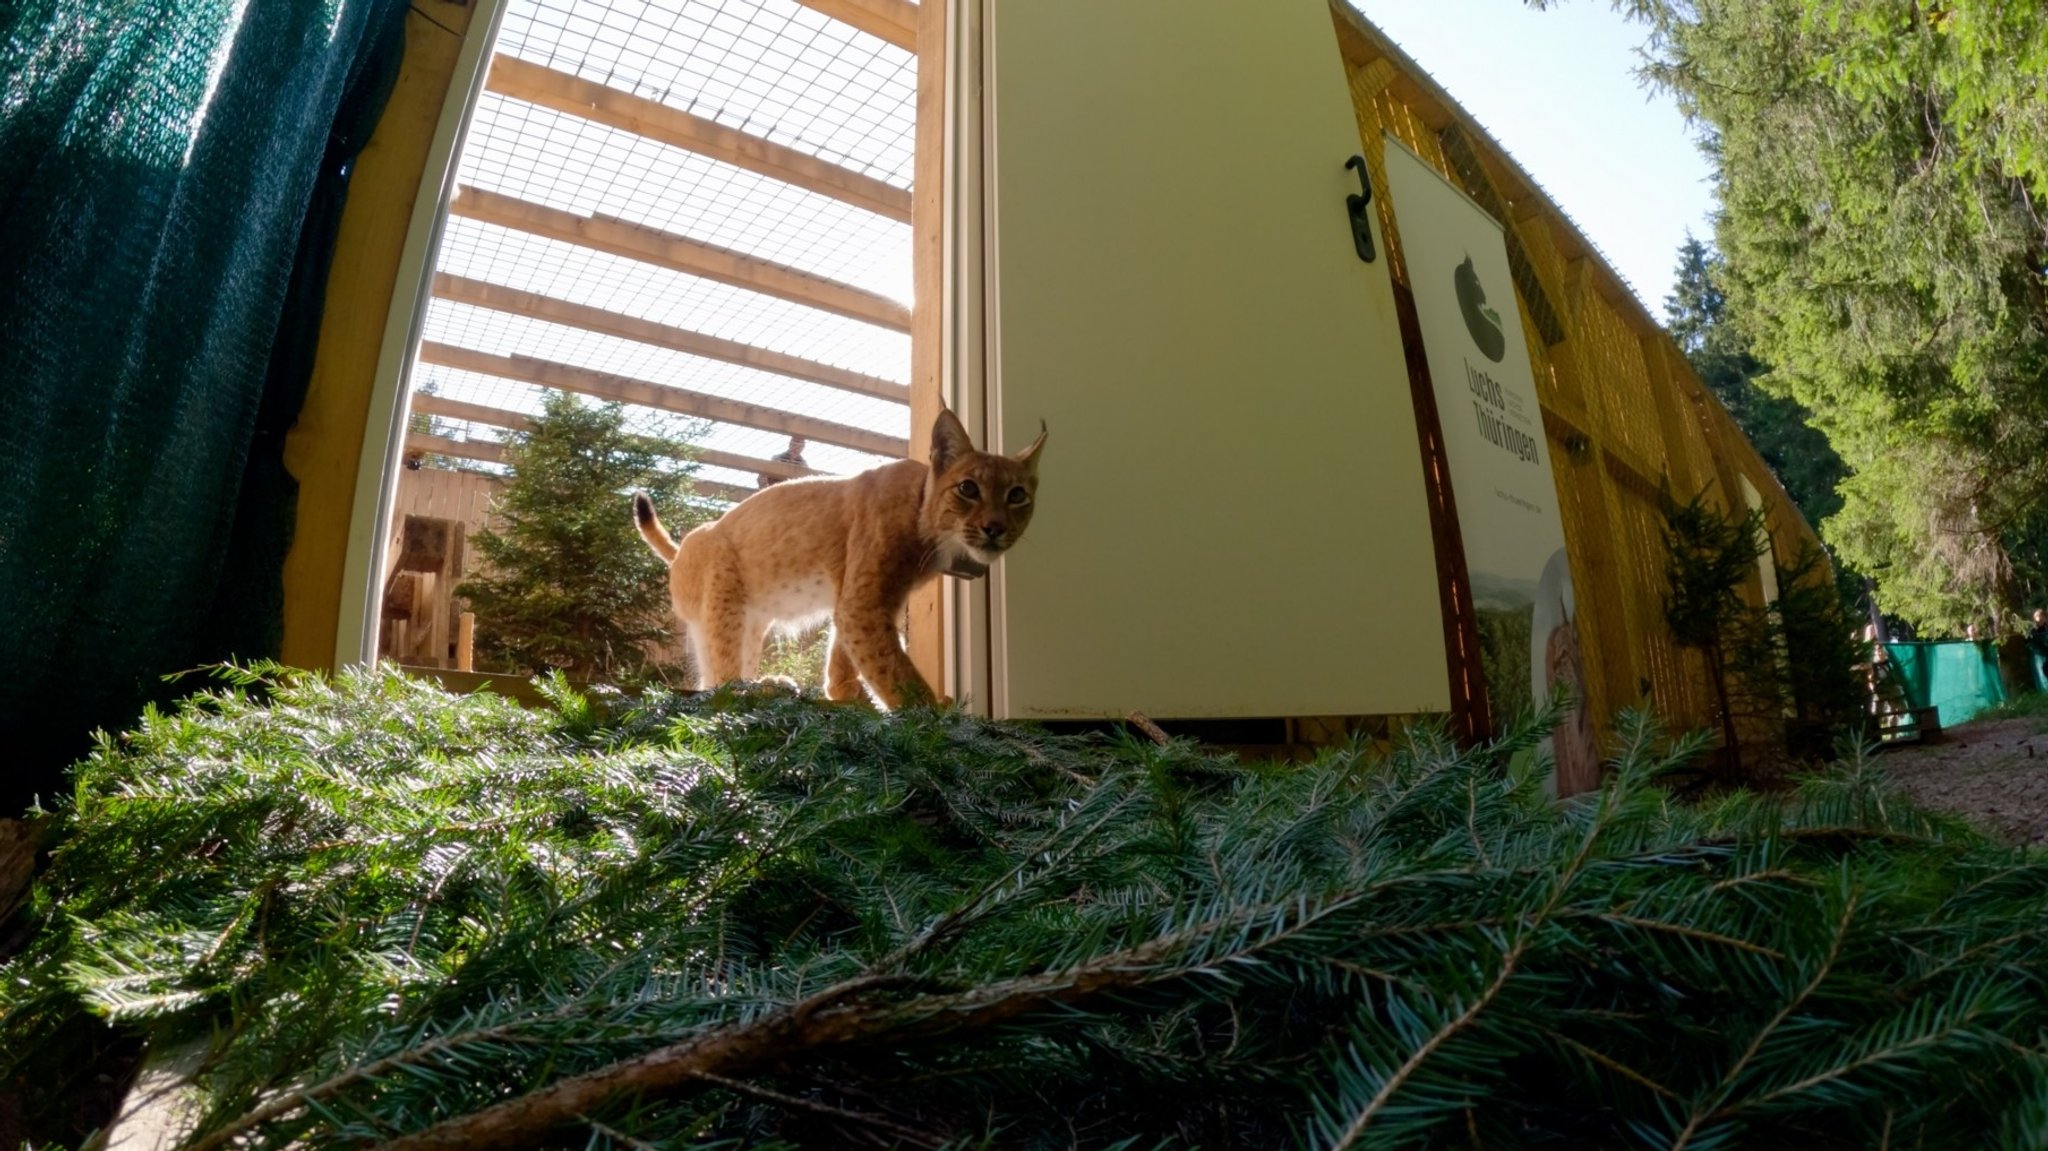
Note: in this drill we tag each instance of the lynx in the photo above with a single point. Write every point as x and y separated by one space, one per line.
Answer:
853 548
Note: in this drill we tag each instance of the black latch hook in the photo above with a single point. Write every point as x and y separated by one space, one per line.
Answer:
1361 224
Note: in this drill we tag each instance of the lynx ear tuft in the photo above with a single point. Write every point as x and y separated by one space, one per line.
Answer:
1029 456
949 440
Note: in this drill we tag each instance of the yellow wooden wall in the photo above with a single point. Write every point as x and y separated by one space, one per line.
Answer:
1622 409
325 447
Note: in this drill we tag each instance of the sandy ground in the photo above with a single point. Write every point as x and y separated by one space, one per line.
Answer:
1993 773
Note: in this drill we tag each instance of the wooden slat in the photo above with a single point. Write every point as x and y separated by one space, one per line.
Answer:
925 637
730 493
459 449
495 453
567 92
533 305
519 421
891 20
427 403
625 389
780 469
664 249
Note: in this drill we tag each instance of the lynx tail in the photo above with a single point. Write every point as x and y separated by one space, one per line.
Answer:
657 537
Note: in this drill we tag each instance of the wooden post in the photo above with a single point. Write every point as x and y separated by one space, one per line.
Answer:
465 642
925 631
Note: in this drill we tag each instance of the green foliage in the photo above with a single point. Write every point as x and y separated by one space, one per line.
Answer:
1708 555
1786 670
1883 184
756 920
568 584
1813 632
1696 313
801 657
2033 706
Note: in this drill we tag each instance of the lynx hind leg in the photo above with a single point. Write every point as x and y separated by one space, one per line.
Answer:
713 602
692 638
842 678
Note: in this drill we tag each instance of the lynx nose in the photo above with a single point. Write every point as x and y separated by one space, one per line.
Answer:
994 532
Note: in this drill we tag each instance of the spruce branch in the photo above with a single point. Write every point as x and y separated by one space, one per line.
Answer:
838 1017
1711 1107
688 921
1510 960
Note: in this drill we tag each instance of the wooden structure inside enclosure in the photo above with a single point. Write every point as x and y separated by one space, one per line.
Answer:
421 621
422 625
766 336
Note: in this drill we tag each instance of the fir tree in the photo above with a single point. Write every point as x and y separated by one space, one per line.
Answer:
1883 182
1696 314
568 583
1708 556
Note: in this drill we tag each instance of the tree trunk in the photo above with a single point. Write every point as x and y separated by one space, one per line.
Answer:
1717 671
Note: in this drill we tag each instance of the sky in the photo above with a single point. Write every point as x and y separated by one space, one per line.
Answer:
1556 89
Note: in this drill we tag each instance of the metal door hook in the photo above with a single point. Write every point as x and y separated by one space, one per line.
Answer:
1361 224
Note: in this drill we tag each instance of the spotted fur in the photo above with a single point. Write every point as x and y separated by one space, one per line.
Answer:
853 548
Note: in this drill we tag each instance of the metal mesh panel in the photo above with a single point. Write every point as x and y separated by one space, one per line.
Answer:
770 68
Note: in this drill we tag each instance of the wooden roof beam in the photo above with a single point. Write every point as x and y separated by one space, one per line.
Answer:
421 444
646 393
532 305
434 405
614 108
679 254
428 403
891 20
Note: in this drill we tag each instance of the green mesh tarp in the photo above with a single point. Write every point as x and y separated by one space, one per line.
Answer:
1957 679
171 177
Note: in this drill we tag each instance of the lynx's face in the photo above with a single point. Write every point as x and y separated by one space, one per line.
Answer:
980 500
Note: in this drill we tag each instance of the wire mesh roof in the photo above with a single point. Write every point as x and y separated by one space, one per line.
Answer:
770 68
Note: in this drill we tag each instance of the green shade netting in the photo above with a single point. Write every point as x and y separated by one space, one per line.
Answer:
171 181
1957 679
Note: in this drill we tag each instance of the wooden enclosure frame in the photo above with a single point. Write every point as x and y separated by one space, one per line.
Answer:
1621 408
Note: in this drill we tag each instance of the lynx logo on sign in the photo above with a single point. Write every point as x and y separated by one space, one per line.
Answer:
1492 425
1480 320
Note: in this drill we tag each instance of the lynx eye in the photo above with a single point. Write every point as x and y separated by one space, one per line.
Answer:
1019 496
968 490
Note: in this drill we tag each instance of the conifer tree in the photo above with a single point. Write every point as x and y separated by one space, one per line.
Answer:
1696 314
568 584
1707 556
1882 170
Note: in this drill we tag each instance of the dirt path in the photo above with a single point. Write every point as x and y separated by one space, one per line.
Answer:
1994 774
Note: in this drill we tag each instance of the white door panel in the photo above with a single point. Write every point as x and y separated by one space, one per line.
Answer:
1231 520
